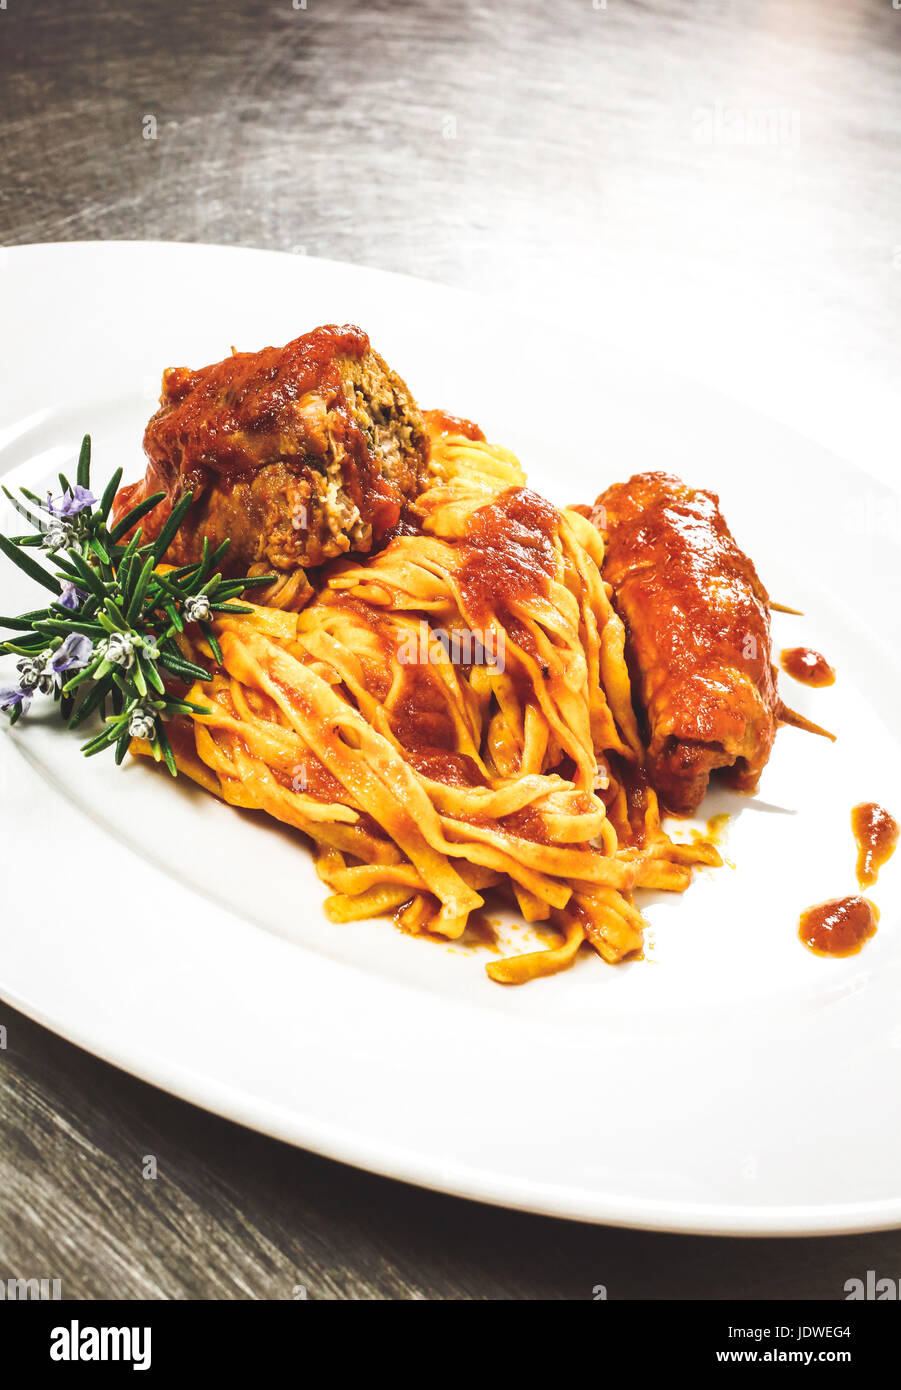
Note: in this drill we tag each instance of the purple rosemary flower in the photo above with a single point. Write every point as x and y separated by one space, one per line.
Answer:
71 597
73 654
70 503
44 672
13 698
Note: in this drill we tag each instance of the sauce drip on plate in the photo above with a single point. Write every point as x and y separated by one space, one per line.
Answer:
876 833
807 666
839 927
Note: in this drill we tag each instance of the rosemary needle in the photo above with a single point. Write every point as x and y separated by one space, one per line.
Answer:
108 636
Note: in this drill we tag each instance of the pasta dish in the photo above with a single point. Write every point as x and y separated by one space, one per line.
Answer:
452 713
424 779
460 692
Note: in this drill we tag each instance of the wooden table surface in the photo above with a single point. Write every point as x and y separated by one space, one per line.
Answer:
717 179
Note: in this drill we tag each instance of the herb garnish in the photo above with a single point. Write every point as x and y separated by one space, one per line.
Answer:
110 630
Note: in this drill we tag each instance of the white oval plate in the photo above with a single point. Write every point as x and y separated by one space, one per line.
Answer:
731 1082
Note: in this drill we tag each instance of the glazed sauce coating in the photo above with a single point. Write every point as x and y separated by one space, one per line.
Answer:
839 927
444 765
807 666
876 834
215 419
529 824
698 628
253 438
408 524
439 422
509 557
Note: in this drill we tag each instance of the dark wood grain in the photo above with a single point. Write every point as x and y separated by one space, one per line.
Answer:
232 1214
497 146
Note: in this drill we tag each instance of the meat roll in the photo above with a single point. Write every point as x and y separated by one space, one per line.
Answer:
697 620
296 454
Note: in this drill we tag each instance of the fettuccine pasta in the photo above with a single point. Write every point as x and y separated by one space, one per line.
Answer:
449 717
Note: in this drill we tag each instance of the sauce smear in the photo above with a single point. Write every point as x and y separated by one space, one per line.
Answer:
839 927
509 559
807 666
439 422
876 833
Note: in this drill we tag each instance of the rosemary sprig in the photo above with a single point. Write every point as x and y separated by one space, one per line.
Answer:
107 640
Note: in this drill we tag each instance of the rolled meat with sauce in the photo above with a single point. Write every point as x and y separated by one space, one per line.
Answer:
296 454
697 621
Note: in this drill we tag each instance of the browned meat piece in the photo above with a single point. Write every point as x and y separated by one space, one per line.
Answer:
297 454
698 625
